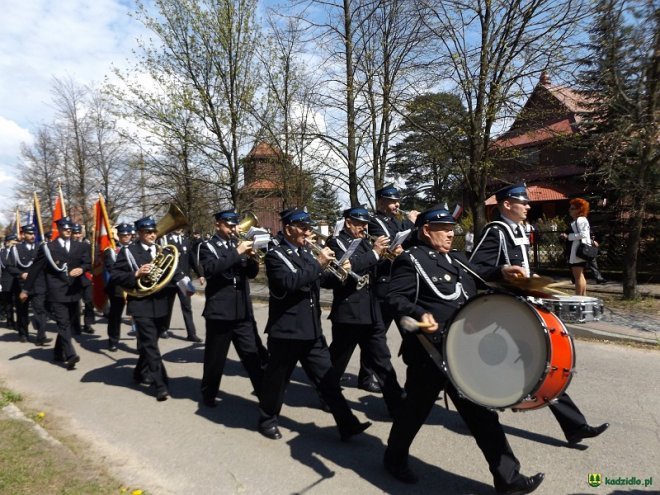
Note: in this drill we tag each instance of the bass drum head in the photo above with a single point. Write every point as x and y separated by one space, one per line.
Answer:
496 350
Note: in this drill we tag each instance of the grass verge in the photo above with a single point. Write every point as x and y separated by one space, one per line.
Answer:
30 464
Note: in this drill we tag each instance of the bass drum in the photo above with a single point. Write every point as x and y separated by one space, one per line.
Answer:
502 352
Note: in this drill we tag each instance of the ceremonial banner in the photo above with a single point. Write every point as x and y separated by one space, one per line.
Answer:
58 212
102 241
458 210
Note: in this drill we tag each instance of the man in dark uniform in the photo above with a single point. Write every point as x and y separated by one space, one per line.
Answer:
429 284
116 295
7 281
503 242
62 262
388 221
355 314
149 312
186 263
228 266
294 327
88 295
20 260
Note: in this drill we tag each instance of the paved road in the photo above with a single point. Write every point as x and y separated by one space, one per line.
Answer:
177 447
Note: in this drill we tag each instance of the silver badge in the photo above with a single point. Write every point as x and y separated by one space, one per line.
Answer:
447 278
434 279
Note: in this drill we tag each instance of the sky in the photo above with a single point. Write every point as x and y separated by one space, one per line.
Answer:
43 39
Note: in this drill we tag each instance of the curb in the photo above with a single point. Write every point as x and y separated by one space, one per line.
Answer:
582 331
13 412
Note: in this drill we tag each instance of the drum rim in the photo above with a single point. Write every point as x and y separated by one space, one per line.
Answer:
546 336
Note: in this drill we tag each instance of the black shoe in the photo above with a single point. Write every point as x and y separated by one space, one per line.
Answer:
165 335
88 329
22 339
324 405
271 432
113 348
209 402
356 429
145 380
586 432
370 386
523 485
71 362
163 395
401 472
601 281
42 342
193 338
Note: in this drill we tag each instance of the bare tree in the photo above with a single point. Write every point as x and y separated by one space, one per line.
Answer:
491 50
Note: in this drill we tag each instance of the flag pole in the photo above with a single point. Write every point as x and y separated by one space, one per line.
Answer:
37 212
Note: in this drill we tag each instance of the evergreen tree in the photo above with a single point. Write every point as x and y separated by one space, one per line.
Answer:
621 80
324 204
433 153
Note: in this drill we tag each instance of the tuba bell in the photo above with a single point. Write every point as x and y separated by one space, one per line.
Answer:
167 257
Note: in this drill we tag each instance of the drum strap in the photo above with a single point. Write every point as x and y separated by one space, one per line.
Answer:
446 297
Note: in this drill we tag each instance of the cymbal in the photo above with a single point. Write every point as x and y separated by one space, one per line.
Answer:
537 286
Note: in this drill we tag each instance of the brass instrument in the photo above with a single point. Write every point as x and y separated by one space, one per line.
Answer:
335 268
174 219
387 254
401 214
167 257
248 221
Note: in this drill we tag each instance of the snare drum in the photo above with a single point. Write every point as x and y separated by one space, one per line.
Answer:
575 309
502 352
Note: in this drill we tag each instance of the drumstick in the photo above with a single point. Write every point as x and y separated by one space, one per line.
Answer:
410 324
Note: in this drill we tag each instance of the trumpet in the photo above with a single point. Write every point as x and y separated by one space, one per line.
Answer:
401 214
249 220
387 254
335 268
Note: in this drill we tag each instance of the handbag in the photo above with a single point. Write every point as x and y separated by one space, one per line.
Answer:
587 251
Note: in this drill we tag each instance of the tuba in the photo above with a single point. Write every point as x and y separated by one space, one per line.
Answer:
167 257
248 221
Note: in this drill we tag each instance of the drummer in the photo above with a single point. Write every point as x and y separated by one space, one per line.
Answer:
429 283
503 242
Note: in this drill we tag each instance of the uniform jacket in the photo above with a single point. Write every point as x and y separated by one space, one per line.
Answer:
112 288
227 284
379 225
443 290
187 256
60 287
19 260
496 247
294 282
6 279
123 273
358 307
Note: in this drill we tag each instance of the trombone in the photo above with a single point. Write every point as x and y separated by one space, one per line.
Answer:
335 268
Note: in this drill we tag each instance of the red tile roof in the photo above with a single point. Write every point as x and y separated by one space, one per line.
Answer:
264 184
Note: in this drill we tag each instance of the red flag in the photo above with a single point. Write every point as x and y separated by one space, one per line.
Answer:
102 241
58 212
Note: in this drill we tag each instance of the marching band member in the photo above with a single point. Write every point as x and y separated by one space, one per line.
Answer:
116 295
355 313
150 311
7 281
62 262
228 266
21 258
86 280
294 327
186 263
429 284
503 242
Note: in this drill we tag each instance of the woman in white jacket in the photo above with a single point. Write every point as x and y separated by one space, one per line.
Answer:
579 233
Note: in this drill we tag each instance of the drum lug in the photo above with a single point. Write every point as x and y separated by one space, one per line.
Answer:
530 398
550 401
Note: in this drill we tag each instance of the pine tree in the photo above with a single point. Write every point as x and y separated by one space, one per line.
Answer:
325 205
